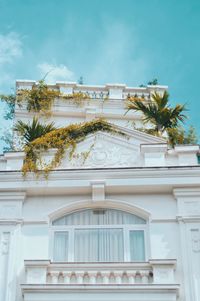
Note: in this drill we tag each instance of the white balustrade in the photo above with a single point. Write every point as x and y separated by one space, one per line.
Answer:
111 91
101 274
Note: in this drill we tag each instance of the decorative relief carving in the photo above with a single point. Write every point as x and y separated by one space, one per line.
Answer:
106 153
5 242
195 240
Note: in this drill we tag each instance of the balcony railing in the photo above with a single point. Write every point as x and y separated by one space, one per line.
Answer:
100 274
109 91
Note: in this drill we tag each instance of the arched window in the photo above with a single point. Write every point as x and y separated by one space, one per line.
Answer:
99 235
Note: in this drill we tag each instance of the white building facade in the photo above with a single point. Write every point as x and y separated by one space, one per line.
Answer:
122 224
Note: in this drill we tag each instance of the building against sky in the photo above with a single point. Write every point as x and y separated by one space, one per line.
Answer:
122 223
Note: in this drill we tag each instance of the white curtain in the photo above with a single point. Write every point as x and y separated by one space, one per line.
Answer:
61 246
137 251
99 217
99 245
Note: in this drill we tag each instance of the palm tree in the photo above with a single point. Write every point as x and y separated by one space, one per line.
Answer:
31 131
158 112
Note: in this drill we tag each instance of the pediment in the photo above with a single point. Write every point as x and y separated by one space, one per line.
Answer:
104 150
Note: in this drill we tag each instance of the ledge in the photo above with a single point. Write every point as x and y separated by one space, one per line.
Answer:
64 287
14 155
116 86
139 292
187 148
163 262
29 83
154 148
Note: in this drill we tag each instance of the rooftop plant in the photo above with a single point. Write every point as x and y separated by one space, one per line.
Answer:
40 98
62 139
78 98
158 112
31 131
164 118
180 136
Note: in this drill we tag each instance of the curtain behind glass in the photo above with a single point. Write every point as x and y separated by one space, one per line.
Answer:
99 217
137 252
61 246
99 245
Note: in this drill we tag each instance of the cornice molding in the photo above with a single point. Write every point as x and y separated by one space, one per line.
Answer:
12 196
115 173
186 192
189 219
129 178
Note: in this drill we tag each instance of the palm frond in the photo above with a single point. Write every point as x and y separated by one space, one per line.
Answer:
34 130
161 101
158 112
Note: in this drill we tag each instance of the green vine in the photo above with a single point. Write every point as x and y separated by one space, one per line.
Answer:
40 98
62 139
78 98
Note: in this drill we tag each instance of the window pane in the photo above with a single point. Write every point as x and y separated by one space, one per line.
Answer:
137 252
99 245
61 246
99 217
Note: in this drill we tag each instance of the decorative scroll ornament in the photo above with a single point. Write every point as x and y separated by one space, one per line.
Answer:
5 242
195 240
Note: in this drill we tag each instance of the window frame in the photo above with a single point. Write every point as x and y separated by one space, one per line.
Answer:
126 230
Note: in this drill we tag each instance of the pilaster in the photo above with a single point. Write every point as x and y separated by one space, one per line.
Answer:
11 206
115 91
10 229
188 206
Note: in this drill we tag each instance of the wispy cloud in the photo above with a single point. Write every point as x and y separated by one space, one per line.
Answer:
117 55
11 50
55 73
10 47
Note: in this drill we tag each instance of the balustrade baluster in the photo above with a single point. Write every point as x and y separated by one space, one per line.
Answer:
145 277
67 277
118 277
105 276
54 277
138 277
131 277
92 277
80 276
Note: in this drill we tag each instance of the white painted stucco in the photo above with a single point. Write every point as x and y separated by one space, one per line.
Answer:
141 175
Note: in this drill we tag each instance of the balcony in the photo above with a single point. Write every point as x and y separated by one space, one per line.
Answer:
103 101
108 91
153 277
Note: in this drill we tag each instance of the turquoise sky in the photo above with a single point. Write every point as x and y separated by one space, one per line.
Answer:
105 41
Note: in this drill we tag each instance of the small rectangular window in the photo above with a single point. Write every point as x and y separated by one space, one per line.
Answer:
61 241
137 252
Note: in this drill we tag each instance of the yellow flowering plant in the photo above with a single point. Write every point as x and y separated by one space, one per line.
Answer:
40 98
62 139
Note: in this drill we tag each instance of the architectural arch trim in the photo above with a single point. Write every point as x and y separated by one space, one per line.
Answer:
108 203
